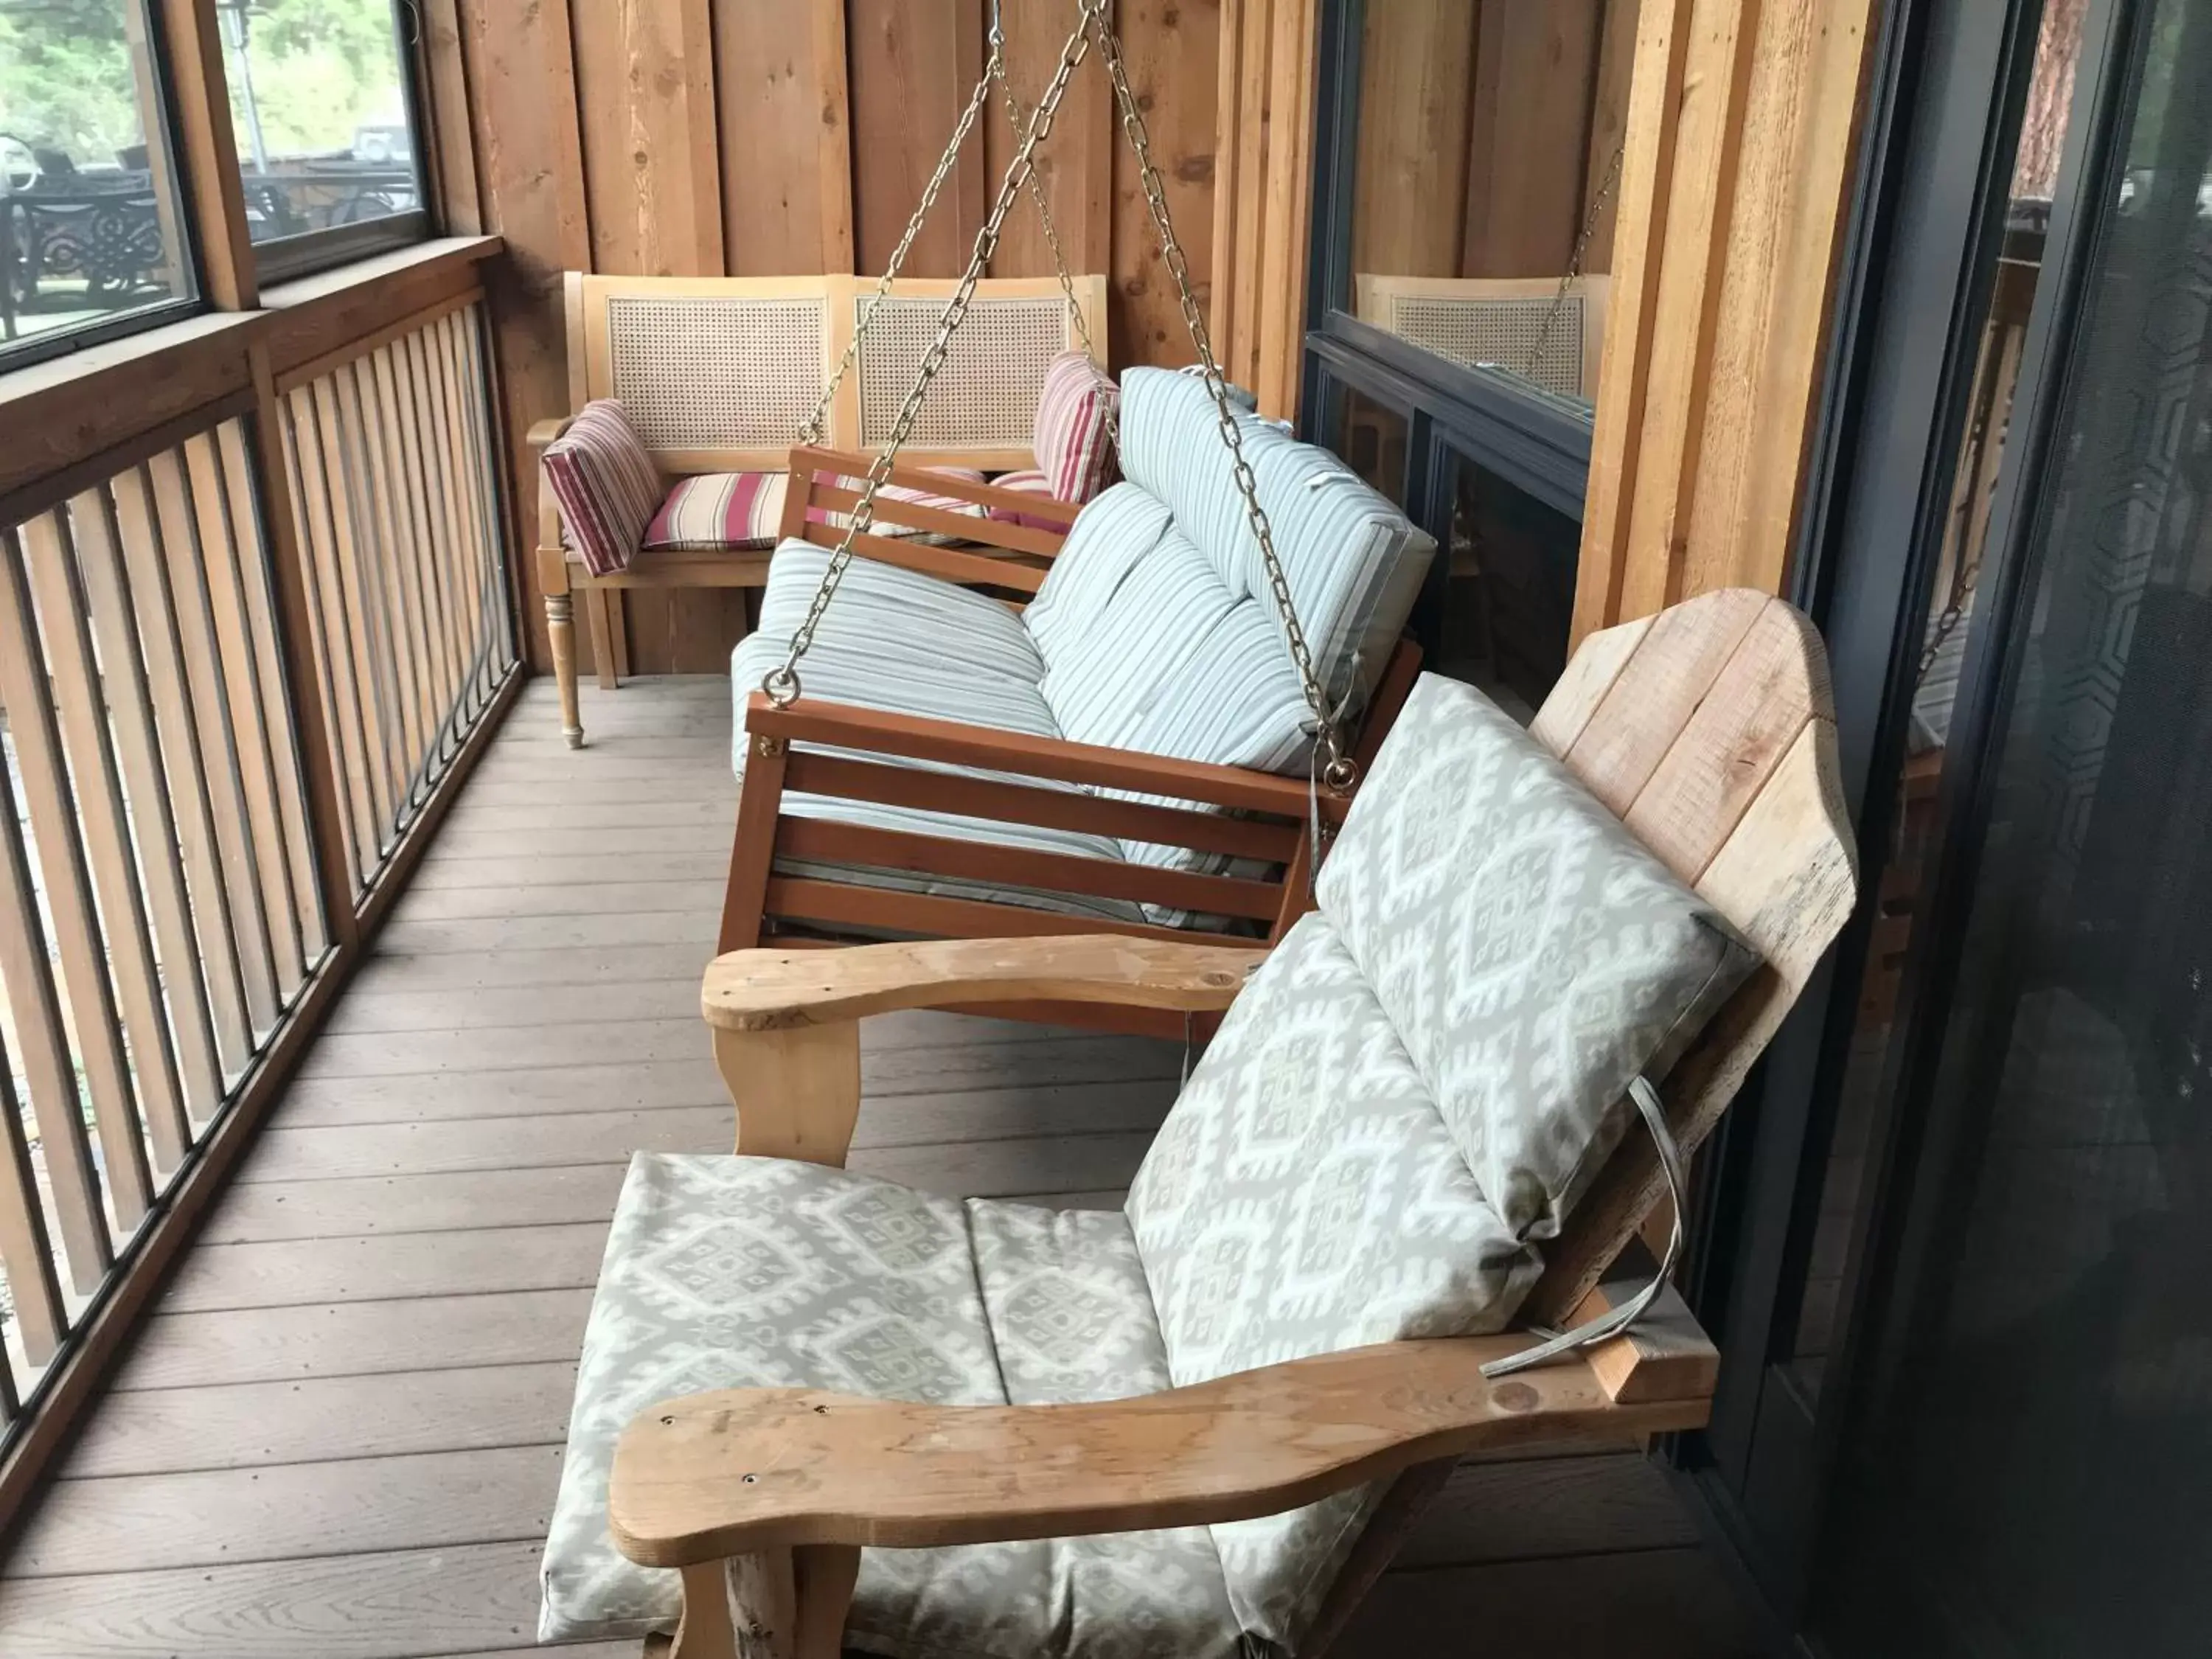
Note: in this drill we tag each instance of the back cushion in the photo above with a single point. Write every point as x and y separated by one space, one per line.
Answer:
1355 563
1533 955
1073 436
1304 1196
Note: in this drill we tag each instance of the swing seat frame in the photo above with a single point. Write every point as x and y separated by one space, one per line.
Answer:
1272 820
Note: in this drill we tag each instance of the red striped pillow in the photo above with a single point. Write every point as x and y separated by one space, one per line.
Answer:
738 512
1073 435
607 485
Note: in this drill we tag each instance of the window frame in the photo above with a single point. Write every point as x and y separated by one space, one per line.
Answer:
287 258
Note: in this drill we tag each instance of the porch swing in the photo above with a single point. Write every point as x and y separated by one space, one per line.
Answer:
1145 724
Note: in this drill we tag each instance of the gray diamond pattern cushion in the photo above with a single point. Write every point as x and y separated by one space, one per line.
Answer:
1533 954
759 1272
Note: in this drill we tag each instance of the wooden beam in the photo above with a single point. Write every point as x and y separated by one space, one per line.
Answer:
645 101
913 66
1742 133
1280 333
785 126
1075 165
207 153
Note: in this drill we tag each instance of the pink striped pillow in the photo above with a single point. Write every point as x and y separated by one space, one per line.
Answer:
1029 481
605 483
1073 433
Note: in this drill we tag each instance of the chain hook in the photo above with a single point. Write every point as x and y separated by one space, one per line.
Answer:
780 686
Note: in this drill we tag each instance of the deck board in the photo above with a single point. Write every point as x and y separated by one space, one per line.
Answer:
339 1434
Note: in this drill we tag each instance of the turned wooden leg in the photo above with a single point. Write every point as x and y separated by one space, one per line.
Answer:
561 633
797 1092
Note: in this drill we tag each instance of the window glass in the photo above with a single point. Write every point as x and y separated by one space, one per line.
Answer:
1508 597
1486 167
319 105
91 234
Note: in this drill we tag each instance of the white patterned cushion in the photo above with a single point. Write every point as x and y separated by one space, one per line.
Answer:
1533 955
1304 1196
744 1272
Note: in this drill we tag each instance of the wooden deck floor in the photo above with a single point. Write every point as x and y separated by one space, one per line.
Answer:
339 1437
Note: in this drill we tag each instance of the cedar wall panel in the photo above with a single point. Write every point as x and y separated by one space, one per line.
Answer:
763 138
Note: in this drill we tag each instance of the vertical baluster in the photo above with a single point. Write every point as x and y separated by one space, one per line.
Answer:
89 741
177 506
220 532
92 1012
380 575
35 1007
113 611
405 569
250 547
341 697
144 583
478 377
459 449
415 437
460 578
25 1251
351 548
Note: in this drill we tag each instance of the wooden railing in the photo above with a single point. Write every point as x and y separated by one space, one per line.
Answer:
254 624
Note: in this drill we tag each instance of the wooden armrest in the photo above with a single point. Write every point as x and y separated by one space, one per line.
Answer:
543 433
847 726
714 1475
767 990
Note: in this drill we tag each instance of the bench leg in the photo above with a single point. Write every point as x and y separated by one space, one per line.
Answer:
561 633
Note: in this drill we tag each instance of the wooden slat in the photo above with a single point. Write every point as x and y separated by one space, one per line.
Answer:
1059 809
311 493
107 726
832 843
1730 746
416 553
353 551
1075 165
911 69
227 538
146 558
1172 53
1588 675
401 1267
951 564
1535 73
784 131
269 681
1417 83
401 564
458 608
1657 689
461 400
810 721
67 883
379 578
26 1254
929 916
915 515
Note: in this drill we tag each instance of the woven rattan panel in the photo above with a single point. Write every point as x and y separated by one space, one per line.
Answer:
716 371
1504 332
985 396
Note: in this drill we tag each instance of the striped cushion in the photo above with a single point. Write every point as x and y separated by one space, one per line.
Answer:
1353 560
733 512
1073 433
1029 481
911 644
606 486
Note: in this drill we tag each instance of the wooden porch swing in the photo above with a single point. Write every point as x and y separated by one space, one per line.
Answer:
867 816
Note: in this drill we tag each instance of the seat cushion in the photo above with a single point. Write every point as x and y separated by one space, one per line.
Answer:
1072 437
902 641
740 511
735 1273
1533 955
606 486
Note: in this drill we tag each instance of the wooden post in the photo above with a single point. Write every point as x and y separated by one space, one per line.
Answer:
1741 131
797 1091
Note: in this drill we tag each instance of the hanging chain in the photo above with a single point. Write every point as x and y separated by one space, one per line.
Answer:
1338 770
782 683
1598 198
1019 121
817 423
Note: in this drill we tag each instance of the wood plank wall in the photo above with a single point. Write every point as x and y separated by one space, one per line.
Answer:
765 137
1743 127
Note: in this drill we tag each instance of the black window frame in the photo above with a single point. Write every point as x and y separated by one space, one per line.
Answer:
311 253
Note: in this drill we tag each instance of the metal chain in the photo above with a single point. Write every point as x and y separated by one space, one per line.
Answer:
1953 612
781 683
817 423
1019 121
1338 770
1598 198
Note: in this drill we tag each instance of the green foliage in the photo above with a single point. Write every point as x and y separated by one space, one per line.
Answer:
320 68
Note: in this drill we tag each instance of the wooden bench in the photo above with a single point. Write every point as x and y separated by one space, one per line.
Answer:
719 374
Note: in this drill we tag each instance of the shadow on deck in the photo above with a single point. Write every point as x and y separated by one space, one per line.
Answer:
340 1436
